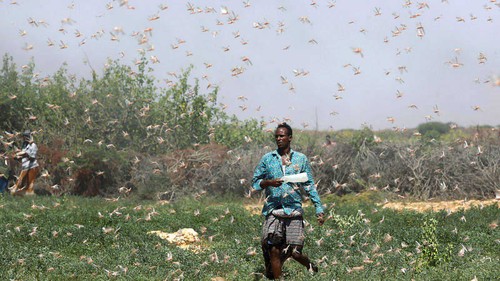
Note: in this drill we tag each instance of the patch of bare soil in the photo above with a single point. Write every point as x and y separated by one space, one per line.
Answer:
450 206
185 238
255 208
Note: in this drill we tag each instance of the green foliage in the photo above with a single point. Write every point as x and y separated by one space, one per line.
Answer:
345 222
123 110
233 132
9 91
433 130
123 107
363 137
454 136
433 252
69 237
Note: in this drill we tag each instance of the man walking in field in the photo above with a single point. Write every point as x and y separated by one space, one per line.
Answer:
284 174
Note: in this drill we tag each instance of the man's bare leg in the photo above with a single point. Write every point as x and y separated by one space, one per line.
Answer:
276 261
32 174
267 259
303 259
19 186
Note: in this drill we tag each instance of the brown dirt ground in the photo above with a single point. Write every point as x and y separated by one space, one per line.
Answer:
452 206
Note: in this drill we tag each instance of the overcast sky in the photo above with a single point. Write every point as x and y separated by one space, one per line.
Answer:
326 64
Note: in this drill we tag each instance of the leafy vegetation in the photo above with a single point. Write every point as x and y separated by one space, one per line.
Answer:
69 237
91 131
433 130
432 252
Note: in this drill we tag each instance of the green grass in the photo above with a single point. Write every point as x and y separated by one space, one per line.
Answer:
61 249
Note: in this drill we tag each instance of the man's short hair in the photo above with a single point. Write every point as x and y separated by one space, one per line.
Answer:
286 126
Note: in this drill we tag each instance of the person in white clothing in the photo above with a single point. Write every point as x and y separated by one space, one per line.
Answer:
30 169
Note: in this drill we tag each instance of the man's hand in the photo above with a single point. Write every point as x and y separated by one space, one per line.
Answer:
276 182
321 218
273 182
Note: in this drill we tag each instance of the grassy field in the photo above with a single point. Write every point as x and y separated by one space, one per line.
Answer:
75 238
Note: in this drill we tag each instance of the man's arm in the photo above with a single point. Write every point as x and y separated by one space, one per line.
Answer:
260 174
311 191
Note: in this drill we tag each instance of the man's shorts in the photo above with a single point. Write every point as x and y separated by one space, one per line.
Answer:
278 230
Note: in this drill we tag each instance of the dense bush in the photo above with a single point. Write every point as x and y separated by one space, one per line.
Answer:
91 131
121 132
443 170
433 130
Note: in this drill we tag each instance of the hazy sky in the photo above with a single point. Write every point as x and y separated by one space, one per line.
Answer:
398 63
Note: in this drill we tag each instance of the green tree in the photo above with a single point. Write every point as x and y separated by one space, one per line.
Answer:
433 130
363 137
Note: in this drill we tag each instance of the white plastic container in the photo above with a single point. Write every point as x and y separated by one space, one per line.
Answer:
302 177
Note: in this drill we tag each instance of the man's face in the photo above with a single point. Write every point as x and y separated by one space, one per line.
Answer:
282 138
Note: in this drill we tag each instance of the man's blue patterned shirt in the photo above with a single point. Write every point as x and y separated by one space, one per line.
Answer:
289 195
